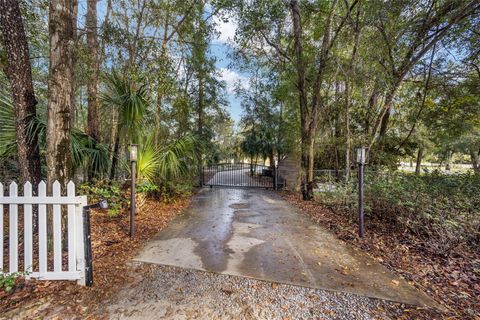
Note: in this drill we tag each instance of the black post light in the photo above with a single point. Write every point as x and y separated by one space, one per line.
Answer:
361 161
133 161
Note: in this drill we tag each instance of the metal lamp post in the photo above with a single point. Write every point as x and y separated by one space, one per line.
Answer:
361 160
133 161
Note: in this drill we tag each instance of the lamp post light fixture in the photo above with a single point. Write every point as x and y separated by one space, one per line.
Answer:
361 161
133 161
361 155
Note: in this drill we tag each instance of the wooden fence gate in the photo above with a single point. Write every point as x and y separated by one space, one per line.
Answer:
41 254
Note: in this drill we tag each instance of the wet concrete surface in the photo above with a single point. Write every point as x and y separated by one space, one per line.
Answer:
255 233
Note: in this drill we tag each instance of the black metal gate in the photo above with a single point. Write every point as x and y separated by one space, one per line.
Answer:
249 175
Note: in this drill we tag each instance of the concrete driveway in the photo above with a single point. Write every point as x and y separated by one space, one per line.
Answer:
254 233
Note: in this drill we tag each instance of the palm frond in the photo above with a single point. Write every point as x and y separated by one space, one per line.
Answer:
130 101
8 146
176 158
88 153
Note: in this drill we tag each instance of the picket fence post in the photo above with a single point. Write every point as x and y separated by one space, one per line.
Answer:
13 235
80 244
28 230
42 230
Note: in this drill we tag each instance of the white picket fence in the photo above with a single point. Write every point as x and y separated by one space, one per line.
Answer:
42 269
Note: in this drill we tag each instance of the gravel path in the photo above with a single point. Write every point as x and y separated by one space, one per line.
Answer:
173 293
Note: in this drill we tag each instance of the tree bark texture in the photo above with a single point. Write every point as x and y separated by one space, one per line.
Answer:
418 166
19 73
93 126
307 127
60 89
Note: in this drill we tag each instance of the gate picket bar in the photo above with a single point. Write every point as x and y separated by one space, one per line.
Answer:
247 175
75 268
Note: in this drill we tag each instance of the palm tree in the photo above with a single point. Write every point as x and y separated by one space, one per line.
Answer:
86 152
159 164
129 100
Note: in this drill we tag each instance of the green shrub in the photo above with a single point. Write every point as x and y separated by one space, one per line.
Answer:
443 210
147 188
8 281
110 191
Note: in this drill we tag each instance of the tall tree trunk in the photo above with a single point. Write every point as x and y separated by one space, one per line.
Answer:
60 89
19 73
307 134
418 165
93 127
347 140
271 159
384 122
75 83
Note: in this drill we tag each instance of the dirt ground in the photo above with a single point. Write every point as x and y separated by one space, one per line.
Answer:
112 250
452 280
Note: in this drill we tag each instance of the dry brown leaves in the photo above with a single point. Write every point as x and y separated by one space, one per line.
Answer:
450 280
112 250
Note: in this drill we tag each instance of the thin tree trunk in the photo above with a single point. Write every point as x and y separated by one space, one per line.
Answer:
350 72
418 165
19 74
158 119
104 25
61 40
201 97
116 148
93 127
271 159
475 159
424 98
132 47
371 106
448 160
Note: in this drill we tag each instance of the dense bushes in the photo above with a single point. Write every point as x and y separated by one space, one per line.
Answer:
443 210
